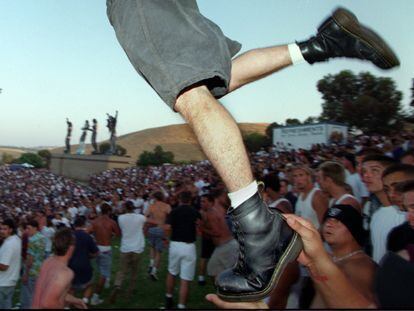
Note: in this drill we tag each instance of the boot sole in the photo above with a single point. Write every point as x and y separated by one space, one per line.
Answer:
292 252
349 23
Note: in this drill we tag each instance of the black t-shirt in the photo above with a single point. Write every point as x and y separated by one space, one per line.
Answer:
183 221
80 261
400 237
394 282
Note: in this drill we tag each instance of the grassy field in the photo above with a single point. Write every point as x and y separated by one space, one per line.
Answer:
150 294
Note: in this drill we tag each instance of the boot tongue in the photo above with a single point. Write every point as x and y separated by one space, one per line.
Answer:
246 207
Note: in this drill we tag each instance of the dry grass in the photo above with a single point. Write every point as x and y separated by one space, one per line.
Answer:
178 139
14 152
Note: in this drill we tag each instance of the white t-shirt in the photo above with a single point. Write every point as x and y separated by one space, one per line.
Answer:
83 210
358 187
48 233
138 202
73 211
132 239
10 255
382 222
146 206
63 220
200 184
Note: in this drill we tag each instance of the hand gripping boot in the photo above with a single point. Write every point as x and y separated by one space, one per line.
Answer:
341 35
266 245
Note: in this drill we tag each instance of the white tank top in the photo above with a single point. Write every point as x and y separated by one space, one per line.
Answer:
304 208
332 201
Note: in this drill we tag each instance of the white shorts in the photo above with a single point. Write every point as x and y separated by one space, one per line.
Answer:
182 259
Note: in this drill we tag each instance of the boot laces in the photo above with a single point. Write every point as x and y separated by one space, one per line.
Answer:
240 238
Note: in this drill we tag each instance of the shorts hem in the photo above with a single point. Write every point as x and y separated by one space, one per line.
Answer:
196 79
186 279
173 274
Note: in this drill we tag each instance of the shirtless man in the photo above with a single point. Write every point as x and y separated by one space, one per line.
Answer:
55 278
215 225
103 228
331 178
157 212
343 231
333 285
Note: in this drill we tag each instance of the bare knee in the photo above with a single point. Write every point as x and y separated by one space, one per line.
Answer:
194 100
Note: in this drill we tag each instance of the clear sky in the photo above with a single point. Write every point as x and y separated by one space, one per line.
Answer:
60 58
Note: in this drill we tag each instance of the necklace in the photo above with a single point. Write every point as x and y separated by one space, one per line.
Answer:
338 259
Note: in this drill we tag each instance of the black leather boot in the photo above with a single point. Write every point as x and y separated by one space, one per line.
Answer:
266 245
341 35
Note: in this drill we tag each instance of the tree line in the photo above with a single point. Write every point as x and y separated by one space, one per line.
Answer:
360 101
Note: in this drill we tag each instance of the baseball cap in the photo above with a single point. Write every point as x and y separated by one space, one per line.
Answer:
350 217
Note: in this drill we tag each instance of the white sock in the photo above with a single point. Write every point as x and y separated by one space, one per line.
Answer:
180 306
201 278
168 295
295 54
242 195
154 270
151 262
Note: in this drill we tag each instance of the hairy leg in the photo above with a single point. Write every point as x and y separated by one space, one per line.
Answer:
258 63
218 135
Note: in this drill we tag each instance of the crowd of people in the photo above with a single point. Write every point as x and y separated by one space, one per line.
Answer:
357 198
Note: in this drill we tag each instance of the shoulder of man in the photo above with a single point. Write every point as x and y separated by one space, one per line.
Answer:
166 206
359 265
320 197
380 213
112 221
94 222
6 247
79 233
318 193
39 237
66 274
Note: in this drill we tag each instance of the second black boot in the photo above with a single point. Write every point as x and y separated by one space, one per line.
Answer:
342 35
266 245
